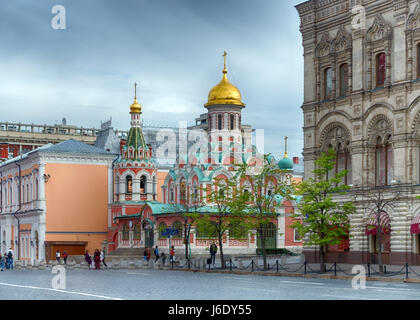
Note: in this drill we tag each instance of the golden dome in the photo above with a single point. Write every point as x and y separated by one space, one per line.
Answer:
135 107
224 92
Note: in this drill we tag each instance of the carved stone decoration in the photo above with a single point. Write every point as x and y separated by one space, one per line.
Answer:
335 136
400 101
342 41
415 127
413 20
379 30
379 126
324 46
357 110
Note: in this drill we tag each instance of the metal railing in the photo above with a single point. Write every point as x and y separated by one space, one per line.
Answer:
295 268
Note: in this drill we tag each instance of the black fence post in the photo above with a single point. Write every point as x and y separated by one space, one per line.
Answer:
230 264
268 267
368 269
189 264
335 268
385 269
305 266
252 265
172 262
209 266
406 270
277 264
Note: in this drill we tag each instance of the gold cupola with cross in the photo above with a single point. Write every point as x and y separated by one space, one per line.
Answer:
224 92
135 107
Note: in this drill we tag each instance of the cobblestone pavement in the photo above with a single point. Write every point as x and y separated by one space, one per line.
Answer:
174 285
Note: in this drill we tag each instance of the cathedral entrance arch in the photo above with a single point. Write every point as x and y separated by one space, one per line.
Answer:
269 232
148 235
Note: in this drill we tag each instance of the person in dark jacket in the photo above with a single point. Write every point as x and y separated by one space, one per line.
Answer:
88 258
213 251
97 259
1 262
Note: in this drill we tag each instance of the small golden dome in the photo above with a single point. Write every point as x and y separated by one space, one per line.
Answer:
224 92
135 107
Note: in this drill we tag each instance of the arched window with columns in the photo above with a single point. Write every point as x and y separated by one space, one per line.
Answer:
129 185
143 183
337 137
383 161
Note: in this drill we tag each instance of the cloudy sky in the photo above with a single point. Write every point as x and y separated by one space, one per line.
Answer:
172 48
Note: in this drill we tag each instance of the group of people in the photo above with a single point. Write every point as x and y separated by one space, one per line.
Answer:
6 261
58 256
147 254
98 257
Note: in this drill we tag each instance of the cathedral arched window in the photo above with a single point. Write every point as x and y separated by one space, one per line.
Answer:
128 185
383 157
177 227
182 190
162 230
232 122
328 83
338 139
219 122
171 195
143 181
137 232
380 69
344 79
125 232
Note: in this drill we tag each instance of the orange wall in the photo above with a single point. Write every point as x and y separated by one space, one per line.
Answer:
161 175
77 197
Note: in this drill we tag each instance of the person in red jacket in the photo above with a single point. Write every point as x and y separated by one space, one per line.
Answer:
172 254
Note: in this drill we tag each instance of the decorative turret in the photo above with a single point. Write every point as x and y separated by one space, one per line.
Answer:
285 163
136 147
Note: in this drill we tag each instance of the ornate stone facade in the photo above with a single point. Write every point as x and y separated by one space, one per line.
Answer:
372 109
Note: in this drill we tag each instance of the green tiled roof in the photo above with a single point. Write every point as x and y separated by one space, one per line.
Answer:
136 140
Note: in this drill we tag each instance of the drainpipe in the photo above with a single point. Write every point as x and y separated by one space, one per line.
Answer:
113 178
20 205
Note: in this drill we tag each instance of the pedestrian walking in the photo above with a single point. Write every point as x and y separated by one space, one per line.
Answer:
65 257
213 251
57 256
172 254
1 262
103 258
156 254
97 259
6 260
88 258
148 254
10 255
145 254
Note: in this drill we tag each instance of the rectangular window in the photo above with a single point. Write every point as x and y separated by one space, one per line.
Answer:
296 237
380 166
380 69
328 83
344 79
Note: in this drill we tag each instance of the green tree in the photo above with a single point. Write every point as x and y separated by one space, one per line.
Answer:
188 212
226 209
269 186
320 220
